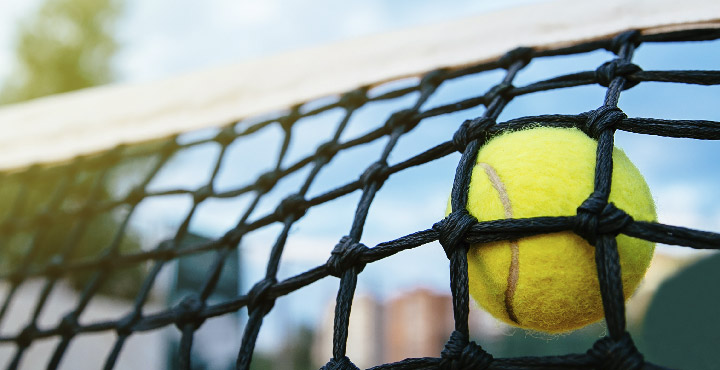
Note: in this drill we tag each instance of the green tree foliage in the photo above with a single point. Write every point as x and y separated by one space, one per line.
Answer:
54 214
66 45
61 215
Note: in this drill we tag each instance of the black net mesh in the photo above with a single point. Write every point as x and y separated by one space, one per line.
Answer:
67 226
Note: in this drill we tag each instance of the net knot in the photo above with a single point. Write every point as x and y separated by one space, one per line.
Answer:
289 120
107 259
186 312
294 205
354 99
226 136
472 129
616 68
346 255
588 215
170 147
627 37
601 119
135 196
596 216
613 220
233 236
461 354
202 193
616 355
432 79
26 336
343 363
68 325
500 89
266 181
406 119
165 250
522 53
326 151
452 230
376 173
259 295
125 325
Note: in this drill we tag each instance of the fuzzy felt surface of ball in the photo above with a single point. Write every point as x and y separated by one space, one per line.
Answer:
549 282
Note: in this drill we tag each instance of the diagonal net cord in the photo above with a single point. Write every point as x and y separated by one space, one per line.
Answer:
595 221
343 263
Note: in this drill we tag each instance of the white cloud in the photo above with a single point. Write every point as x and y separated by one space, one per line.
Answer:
299 248
246 12
364 19
10 12
403 215
681 204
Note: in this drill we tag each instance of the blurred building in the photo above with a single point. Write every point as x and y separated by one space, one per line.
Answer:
416 323
365 345
88 350
216 342
419 323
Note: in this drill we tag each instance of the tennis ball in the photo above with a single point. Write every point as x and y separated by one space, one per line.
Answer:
549 282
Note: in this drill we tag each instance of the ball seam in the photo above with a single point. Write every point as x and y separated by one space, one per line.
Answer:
514 271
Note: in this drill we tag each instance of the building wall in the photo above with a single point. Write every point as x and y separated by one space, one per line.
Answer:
415 323
418 323
86 351
365 344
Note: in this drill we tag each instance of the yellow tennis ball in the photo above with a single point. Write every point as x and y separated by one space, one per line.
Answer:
549 282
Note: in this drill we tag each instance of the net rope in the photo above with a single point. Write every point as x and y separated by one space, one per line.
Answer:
597 220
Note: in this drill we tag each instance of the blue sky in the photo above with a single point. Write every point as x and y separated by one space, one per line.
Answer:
165 38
